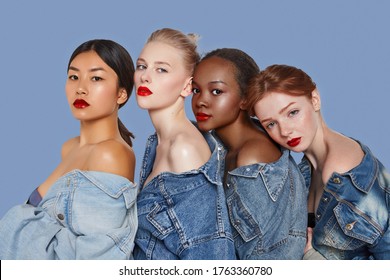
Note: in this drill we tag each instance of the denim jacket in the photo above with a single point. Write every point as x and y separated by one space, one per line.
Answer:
268 209
352 218
183 215
84 215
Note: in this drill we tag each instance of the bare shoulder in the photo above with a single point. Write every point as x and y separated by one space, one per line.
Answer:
113 157
69 145
188 151
344 154
258 150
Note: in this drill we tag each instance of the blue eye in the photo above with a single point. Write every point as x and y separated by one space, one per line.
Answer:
270 125
140 67
161 70
293 112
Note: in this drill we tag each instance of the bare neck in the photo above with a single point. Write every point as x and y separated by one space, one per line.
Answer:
93 132
237 132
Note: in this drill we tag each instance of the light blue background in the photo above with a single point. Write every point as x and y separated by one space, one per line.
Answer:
343 45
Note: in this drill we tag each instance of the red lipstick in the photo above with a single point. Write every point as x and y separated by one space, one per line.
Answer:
201 117
294 142
80 104
144 91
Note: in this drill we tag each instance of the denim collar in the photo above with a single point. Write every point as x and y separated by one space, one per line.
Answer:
362 176
274 174
112 184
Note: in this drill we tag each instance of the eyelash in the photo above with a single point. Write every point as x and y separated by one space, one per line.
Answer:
94 78
162 70
270 125
292 113
195 90
216 92
143 67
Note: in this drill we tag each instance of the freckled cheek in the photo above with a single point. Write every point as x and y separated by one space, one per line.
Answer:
307 122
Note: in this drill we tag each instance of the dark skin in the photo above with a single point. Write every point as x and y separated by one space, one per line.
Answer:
217 94
253 145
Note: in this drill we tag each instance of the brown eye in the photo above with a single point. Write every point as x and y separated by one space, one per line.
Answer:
216 91
95 78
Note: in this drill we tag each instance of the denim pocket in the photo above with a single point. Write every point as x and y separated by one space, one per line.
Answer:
242 219
349 230
160 219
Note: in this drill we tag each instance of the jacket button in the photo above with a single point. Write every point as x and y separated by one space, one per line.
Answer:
336 180
350 226
60 216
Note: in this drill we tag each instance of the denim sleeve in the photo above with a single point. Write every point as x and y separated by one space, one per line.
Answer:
28 232
381 249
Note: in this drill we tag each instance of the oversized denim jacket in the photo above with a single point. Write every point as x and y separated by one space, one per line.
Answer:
268 209
84 215
352 218
183 215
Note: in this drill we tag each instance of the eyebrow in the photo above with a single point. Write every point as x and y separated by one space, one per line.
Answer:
280 112
156 62
213 82
91 70
286 107
218 82
162 63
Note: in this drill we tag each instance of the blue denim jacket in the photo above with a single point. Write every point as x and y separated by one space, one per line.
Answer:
268 209
352 218
84 215
183 215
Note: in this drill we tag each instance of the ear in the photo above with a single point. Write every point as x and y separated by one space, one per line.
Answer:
243 105
187 88
122 97
316 100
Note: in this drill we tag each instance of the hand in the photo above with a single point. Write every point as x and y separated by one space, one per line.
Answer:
309 240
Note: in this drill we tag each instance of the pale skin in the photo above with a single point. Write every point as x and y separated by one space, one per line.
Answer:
181 147
217 95
100 146
286 117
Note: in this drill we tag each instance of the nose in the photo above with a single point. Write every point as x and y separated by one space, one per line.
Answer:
200 100
145 77
81 87
285 129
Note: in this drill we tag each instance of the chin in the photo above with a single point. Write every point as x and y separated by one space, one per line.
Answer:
203 127
142 105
